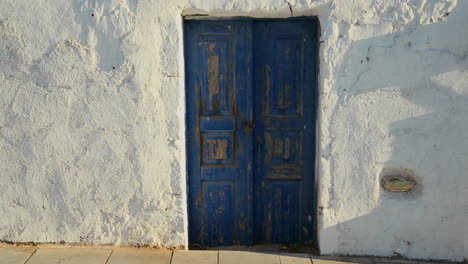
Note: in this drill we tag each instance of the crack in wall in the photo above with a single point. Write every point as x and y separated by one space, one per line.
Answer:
290 7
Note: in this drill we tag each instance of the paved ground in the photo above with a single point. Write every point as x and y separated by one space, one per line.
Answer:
10 254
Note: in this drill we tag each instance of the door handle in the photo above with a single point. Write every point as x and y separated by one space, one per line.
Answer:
248 126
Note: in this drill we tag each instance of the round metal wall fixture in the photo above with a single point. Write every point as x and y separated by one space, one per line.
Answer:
398 183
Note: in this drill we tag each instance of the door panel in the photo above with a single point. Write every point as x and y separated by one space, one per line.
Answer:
250 133
284 88
218 81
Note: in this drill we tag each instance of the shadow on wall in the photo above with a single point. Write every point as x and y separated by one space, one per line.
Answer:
409 104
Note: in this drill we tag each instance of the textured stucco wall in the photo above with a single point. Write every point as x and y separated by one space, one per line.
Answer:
92 145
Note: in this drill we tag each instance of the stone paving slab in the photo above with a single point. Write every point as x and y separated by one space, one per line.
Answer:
15 254
195 257
340 260
140 256
70 256
294 258
275 248
325 261
238 257
378 260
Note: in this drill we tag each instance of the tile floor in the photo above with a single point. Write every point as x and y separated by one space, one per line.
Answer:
10 254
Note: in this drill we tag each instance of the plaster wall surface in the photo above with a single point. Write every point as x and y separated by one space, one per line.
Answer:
92 145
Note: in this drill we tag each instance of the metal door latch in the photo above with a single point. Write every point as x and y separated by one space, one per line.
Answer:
248 125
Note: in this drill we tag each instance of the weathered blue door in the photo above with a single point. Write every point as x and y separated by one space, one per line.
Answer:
251 88
285 72
218 81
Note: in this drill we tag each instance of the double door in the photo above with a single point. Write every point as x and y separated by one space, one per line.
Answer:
251 112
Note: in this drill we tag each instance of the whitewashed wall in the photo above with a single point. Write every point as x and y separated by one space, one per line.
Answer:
92 145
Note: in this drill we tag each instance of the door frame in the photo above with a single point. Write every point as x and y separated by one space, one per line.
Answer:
185 128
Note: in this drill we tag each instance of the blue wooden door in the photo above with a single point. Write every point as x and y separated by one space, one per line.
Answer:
218 81
250 126
285 77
